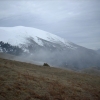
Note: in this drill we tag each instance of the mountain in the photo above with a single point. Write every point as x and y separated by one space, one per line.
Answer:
19 35
41 46
98 51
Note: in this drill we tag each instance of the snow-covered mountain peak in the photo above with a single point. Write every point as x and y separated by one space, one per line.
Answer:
18 34
42 46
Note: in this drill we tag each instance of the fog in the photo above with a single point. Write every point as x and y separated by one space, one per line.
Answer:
75 59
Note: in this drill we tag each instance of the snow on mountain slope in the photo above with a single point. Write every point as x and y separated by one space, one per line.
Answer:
17 35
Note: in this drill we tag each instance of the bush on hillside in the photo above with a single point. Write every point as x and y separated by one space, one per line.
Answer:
45 64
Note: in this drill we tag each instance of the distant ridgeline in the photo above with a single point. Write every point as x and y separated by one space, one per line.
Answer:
7 48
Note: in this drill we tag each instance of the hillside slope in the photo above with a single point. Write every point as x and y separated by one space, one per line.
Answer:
24 81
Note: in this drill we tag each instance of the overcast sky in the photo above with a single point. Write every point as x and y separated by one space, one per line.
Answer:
75 20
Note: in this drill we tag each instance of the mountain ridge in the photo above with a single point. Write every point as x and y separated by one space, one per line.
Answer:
50 48
21 32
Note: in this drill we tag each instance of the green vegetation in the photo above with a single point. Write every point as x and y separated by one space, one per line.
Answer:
24 81
7 48
45 64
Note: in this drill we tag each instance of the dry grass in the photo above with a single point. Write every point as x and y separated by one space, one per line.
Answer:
24 81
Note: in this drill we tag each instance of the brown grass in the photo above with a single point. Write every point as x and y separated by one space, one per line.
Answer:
24 81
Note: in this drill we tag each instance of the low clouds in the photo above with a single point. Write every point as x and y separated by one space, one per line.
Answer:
76 20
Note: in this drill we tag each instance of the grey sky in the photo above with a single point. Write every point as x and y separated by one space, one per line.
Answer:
75 20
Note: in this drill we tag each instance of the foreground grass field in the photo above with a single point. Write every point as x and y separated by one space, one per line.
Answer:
24 81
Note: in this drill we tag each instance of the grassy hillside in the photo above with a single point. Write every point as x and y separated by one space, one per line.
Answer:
92 71
6 56
19 58
24 81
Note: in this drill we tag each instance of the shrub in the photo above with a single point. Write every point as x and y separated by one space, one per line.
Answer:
45 64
